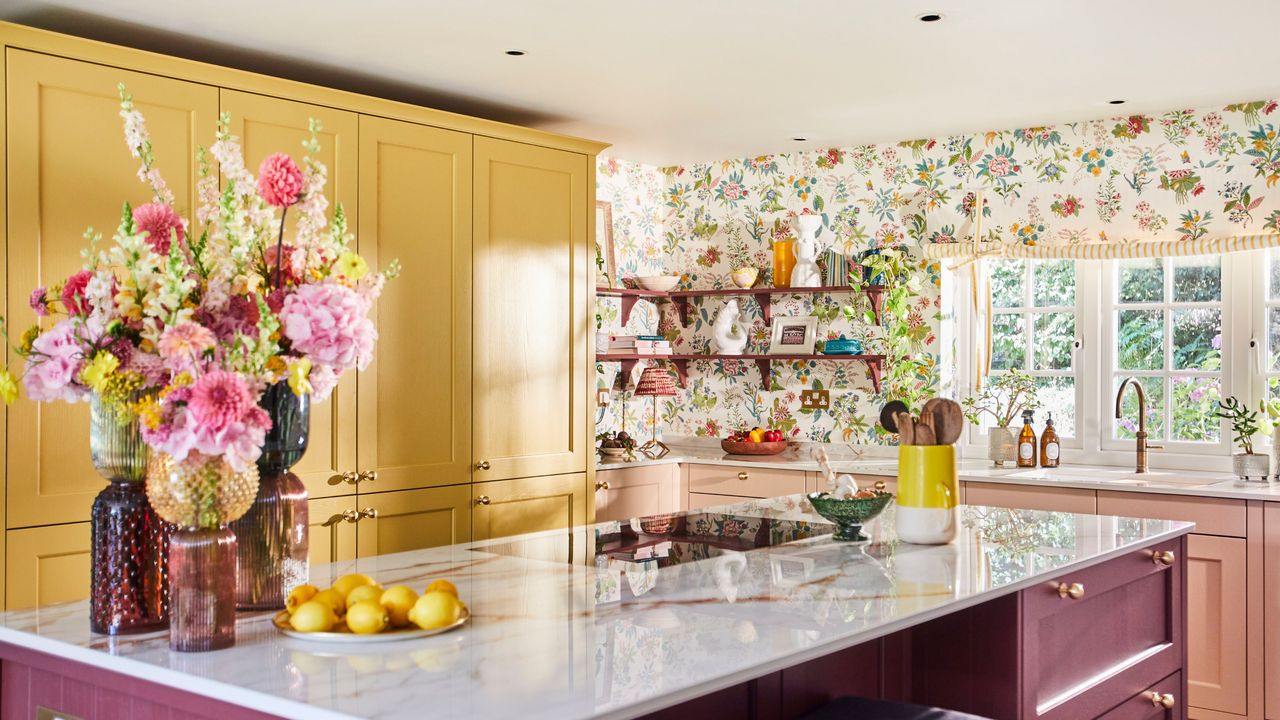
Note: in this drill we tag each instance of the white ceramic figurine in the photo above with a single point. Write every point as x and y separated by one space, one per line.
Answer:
806 272
729 334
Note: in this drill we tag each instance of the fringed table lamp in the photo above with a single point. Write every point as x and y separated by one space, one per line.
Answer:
655 382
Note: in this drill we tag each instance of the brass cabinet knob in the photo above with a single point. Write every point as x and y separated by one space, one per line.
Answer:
348 477
1164 700
1164 557
482 465
371 513
1075 591
602 485
482 500
368 476
351 516
880 485
743 476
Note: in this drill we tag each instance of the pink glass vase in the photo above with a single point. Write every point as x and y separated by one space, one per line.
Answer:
202 586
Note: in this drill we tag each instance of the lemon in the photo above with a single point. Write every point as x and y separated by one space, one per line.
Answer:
442 585
347 583
435 609
399 600
367 617
299 595
364 592
333 599
312 616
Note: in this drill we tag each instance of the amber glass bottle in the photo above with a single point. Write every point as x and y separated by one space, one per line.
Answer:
1049 449
1027 442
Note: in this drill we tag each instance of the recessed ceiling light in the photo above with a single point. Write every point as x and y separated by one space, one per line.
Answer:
929 17
515 53
800 139
1115 102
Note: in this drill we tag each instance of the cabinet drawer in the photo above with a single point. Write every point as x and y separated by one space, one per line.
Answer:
1024 497
1086 653
698 501
1212 516
1150 703
744 481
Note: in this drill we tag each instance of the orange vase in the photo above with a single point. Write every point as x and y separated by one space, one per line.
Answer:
784 258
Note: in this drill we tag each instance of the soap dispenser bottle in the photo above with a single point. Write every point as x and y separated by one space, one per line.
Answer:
1027 442
1049 449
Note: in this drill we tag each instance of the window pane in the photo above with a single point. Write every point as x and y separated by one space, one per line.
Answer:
1054 338
1008 341
1053 283
1197 339
1057 395
1197 279
1273 332
1195 400
1140 340
1141 280
1008 283
1274 258
1127 425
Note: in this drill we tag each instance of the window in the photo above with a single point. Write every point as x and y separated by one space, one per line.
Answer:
1270 364
1166 330
1033 328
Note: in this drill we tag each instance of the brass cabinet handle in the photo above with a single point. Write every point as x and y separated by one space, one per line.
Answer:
743 476
880 485
367 476
1164 557
351 516
482 500
371 513
1075 591
348 477
1164 700
482 465
602 485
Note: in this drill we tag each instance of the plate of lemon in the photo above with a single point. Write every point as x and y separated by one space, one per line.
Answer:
358 610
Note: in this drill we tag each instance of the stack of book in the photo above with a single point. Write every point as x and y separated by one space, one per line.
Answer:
639 345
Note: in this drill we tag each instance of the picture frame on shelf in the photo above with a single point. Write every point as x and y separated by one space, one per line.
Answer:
793 335
606 263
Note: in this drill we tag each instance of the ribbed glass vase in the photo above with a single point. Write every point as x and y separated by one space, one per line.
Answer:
129 540
272 537
202 576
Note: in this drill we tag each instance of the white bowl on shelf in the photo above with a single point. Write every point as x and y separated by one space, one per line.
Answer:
660 283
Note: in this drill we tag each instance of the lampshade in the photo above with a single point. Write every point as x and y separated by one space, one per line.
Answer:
655 381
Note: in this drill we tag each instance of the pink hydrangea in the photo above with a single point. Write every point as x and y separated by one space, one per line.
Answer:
73 293
329 324
54 364
162 223
279 180
182 345
323 379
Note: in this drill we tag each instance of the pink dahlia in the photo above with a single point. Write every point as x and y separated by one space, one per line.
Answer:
182 344
220 398
329 324
162 224
39 301
73 293
279 180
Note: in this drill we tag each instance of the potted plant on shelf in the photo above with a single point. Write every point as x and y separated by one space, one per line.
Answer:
906 370
1248 465
1004 398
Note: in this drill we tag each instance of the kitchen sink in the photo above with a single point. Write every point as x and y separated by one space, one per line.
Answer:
1122 476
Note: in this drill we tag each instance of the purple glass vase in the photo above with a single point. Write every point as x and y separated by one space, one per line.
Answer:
272 537
202 587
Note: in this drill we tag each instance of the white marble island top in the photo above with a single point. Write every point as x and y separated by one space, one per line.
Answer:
645 618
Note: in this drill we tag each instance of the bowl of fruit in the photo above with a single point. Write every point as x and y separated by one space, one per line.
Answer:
358 610
755 442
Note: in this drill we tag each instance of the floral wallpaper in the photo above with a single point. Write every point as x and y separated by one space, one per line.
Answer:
1179 174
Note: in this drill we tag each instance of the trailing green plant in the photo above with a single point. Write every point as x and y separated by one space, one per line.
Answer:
1244 422
906 366
1004 397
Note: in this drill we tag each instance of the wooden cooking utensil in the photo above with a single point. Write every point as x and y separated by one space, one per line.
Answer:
924 435
948 420
906 429
889 414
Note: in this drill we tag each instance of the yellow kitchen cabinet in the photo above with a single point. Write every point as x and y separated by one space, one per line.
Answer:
267 125
530 310
332 529
636 492
68 168
47 565
512 507
393 522
415 398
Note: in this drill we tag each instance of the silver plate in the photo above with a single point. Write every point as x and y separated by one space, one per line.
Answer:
281 621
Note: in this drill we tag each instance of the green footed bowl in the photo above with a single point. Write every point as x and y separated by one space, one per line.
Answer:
850 515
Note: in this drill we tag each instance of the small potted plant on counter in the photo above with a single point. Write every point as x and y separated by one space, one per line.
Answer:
1004 398
1251 466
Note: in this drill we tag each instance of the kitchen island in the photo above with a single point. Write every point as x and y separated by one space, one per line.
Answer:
749 610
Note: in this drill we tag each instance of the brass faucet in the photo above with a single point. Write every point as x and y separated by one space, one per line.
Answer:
1141 435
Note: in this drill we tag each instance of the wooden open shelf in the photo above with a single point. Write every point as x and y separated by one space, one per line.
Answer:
875 363
762 295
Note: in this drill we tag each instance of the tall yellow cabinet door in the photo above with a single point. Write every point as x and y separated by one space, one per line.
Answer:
530 323
47 565
414 519
269 125
68 168
415 398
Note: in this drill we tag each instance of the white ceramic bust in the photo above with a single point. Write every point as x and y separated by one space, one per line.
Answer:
729 334
806 272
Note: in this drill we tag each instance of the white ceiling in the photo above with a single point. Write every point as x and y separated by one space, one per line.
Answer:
677 81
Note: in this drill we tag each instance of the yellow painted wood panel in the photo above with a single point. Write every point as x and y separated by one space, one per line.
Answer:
635 492
47 565
530 316
415 398
524 505
267 125
1032 498
395 522
1217 623
68 169
332 533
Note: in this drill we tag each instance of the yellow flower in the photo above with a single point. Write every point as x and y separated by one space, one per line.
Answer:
276 365
298 373
148 410
351 265
8 386
29 338
98 371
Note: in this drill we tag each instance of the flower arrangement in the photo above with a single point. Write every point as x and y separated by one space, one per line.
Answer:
187 327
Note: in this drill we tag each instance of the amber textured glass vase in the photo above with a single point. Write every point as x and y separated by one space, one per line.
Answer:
130 542
272 543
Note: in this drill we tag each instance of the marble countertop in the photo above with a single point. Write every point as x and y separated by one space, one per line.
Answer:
1088 477
646 616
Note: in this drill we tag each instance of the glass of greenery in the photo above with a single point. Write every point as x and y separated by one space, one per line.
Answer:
1004 397
1248 465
